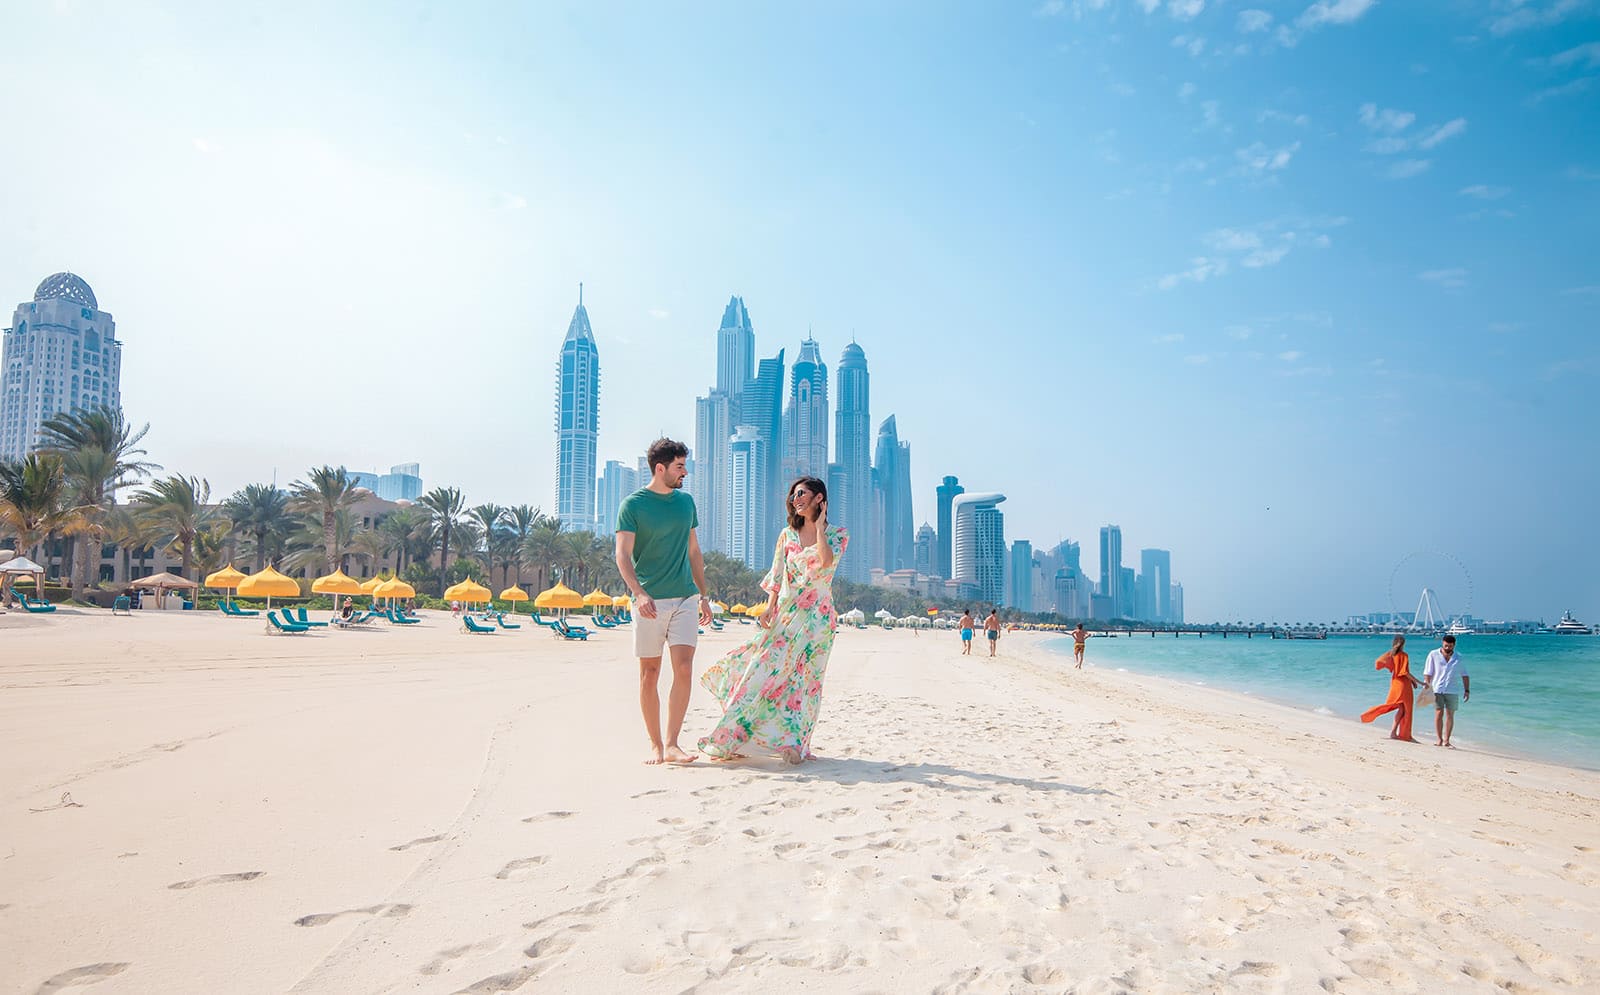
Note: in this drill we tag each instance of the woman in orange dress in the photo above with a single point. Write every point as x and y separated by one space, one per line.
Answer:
1401 687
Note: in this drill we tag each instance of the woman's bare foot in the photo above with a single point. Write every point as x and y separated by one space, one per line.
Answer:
725 757
792 755
656 758
675 755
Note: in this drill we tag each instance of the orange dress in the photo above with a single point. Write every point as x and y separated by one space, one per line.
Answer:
1400 692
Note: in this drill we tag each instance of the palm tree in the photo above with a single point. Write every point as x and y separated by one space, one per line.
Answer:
490 519
503 549
131 532
178 506
322 494
33 501
541 549
260 511
409 532
444 506
523 519
101 455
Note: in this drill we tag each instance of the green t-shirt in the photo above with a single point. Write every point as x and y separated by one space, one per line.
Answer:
660 524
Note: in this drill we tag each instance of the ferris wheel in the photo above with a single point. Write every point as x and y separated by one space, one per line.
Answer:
1442 583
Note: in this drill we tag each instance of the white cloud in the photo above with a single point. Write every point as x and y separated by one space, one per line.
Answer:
1200 270
1581 291
1279 117
1185 92
1385 120
1251 21
1333 12
1239 332
1259 160
1443 133
1407 168
1051 8
1267 257
659 314
1232 240
1172 337
1588 55
1449 279
1579 85
1521 15
1195 46
1185 10
1149 6
1199 359
1388 145
1483 192
1581 173
1208 110
1293 355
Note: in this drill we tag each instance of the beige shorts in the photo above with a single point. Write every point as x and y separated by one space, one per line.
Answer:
677 623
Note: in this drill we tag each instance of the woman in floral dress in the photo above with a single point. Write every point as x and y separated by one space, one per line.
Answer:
770 688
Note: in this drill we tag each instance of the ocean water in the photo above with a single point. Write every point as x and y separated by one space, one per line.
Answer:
1532 696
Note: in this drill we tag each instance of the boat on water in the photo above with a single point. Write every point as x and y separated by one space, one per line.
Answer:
1569 626
1459 628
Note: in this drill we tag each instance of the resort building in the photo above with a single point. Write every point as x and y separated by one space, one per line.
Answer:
60 354
577 422
979 547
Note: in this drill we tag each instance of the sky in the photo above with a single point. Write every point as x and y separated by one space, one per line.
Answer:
1306 293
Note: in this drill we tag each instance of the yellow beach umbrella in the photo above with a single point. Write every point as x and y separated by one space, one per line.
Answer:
739 609
754 611
269 584
468 590
560 596
597 599
514 594
225 580
394 587
622 601
337 582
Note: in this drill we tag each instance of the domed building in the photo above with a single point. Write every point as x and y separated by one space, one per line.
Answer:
60 354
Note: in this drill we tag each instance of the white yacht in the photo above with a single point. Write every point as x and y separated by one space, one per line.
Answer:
1569 626
1460 628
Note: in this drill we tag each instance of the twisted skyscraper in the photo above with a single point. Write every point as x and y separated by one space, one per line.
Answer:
577 422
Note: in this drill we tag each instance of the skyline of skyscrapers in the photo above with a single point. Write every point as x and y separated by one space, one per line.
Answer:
60 354
892 472
616 482
852 452
577 421
946 493
1111 568
805 418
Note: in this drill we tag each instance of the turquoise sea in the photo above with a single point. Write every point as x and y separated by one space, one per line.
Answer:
1532 696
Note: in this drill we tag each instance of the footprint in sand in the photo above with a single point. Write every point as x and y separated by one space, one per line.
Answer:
518 866
419 841
552 816
79 976
652 791
449 954
383 910
216 879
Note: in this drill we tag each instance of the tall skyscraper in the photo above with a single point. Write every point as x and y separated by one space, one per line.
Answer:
947 493
749 499
805 420
927 542
1175 615
852 505
61 354
1020 595
736 350
1125 593
617 481
762 409
978 549
1111 566
1155 584
893 470
713 427
577 421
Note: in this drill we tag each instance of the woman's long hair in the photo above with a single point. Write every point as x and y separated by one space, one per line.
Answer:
812 484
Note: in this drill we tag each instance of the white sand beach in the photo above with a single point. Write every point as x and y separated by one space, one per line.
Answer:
189 805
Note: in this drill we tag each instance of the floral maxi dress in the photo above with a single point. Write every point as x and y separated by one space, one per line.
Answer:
770 688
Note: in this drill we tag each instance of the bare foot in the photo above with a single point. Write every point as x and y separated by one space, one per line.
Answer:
792 755
723 758
655 758
1449 746
675 755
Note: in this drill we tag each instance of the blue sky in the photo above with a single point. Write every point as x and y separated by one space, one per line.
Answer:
1291 289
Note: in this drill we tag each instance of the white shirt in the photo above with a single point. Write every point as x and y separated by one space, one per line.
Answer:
1440 674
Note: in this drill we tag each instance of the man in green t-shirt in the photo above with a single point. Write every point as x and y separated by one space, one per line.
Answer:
659 558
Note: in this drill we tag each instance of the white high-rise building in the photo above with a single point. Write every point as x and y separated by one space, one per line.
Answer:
61 354
713 427
616 482
749 497
577 422
978 552
805 419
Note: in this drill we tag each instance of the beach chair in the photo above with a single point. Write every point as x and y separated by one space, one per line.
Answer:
566 631
470 624
602 622
234 611
397 618
122 606
303 619
35 606
289 626
500 617
547 623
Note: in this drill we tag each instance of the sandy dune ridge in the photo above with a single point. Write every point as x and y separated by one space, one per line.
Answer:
187 804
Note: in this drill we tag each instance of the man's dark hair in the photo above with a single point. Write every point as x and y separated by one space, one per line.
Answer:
662 452
1449 639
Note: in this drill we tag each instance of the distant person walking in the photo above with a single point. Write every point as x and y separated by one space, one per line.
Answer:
1080 635
991 628
1401 688
1446 673
659 559
967 625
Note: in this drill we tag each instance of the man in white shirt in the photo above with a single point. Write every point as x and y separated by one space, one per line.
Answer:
1446 675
